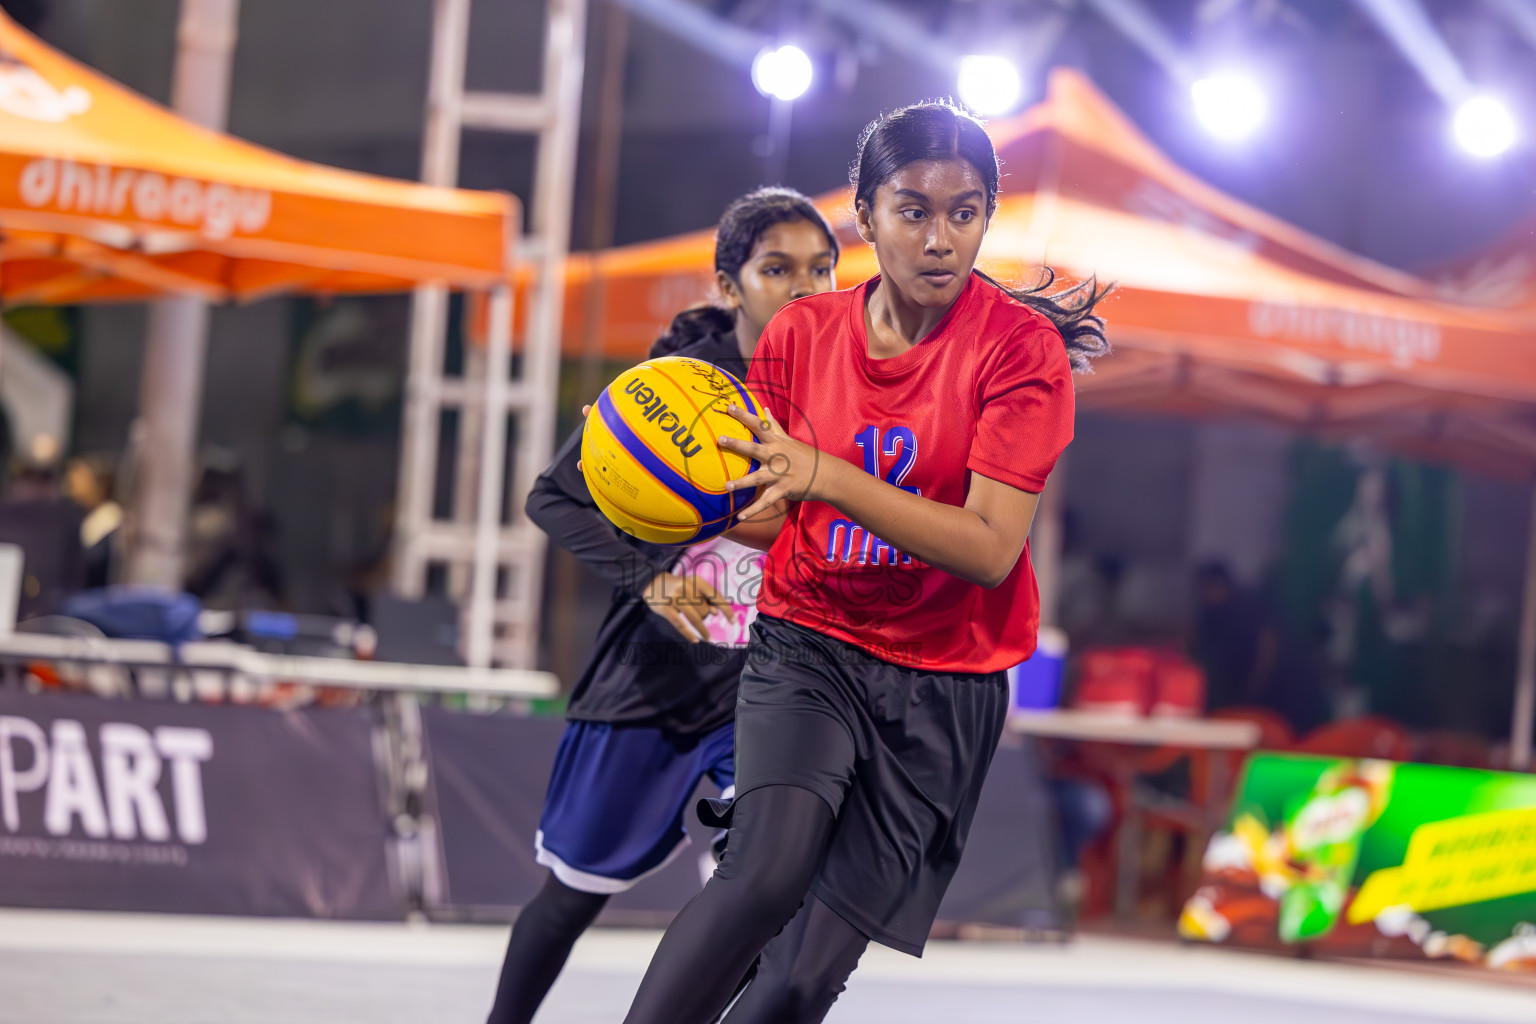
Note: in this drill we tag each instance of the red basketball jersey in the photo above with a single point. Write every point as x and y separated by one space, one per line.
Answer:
989 390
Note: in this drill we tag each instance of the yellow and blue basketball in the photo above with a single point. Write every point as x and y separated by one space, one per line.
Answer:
651 455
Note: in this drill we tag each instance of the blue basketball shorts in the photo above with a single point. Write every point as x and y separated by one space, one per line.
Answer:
617 795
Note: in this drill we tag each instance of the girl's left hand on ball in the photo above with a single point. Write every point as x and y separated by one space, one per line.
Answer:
787 469
585 411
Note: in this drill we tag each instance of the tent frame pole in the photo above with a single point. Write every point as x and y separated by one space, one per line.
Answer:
419 437
492 489
165 455
171 382
1525 674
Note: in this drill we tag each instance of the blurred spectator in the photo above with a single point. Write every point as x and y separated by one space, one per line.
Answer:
1077 785
1250 658
1091 601
1299 688
1235 641
1084 810
232 564
36 516
90 483
368 575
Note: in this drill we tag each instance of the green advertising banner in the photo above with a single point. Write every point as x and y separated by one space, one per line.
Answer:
1374 858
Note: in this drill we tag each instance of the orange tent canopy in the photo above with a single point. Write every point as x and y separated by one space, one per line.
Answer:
105 195
1219 309
1502 276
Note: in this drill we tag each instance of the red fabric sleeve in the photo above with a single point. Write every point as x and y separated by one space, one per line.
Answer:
1027 405
768 376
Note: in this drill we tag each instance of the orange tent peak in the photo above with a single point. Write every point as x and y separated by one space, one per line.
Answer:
167 205
1077 143
1074 107
1501 275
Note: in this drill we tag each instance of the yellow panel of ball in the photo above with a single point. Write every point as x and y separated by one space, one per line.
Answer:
651 456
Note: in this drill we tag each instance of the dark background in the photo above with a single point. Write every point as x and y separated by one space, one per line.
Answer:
1357 151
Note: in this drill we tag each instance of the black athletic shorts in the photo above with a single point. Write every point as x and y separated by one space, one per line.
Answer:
898 753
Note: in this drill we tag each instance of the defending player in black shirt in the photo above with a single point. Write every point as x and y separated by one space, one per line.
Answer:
652 713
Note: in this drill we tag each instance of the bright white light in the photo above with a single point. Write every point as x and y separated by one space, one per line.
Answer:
1484 126
989 85
783 73
1230 106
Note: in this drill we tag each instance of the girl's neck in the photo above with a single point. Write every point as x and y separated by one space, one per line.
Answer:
746 337
893 323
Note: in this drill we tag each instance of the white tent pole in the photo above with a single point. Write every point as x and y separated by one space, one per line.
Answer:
493 484
170 388
1525 675
170 399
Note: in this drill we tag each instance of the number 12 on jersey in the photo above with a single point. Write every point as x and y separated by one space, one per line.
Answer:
847 541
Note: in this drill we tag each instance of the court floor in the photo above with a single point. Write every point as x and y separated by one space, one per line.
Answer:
60 967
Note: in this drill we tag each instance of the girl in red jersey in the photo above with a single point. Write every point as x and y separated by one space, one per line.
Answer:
909 426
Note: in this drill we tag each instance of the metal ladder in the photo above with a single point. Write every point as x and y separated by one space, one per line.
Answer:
495 567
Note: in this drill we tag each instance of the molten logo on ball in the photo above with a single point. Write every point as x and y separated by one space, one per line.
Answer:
656 412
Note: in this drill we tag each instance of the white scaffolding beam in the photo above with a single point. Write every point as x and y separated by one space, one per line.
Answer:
494 565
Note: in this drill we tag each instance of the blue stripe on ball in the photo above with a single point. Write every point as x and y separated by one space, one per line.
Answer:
711 507
741 389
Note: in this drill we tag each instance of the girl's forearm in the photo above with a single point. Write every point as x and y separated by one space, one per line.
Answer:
758 532
948 537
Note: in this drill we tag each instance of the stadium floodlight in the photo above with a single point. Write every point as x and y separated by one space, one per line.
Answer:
1230 106
782 72
1483 126
989 85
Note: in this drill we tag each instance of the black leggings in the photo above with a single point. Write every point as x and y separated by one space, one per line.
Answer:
779 835
541 942
803 970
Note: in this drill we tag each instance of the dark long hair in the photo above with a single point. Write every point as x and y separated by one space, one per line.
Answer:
940 130
742 224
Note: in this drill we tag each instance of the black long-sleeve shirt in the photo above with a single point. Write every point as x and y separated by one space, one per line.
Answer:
641 671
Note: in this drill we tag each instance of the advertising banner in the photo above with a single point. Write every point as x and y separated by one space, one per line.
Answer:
157 806
1374 858
489 774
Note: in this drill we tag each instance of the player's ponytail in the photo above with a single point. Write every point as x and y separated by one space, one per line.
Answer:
742 224
1071 309
697 321
941 130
